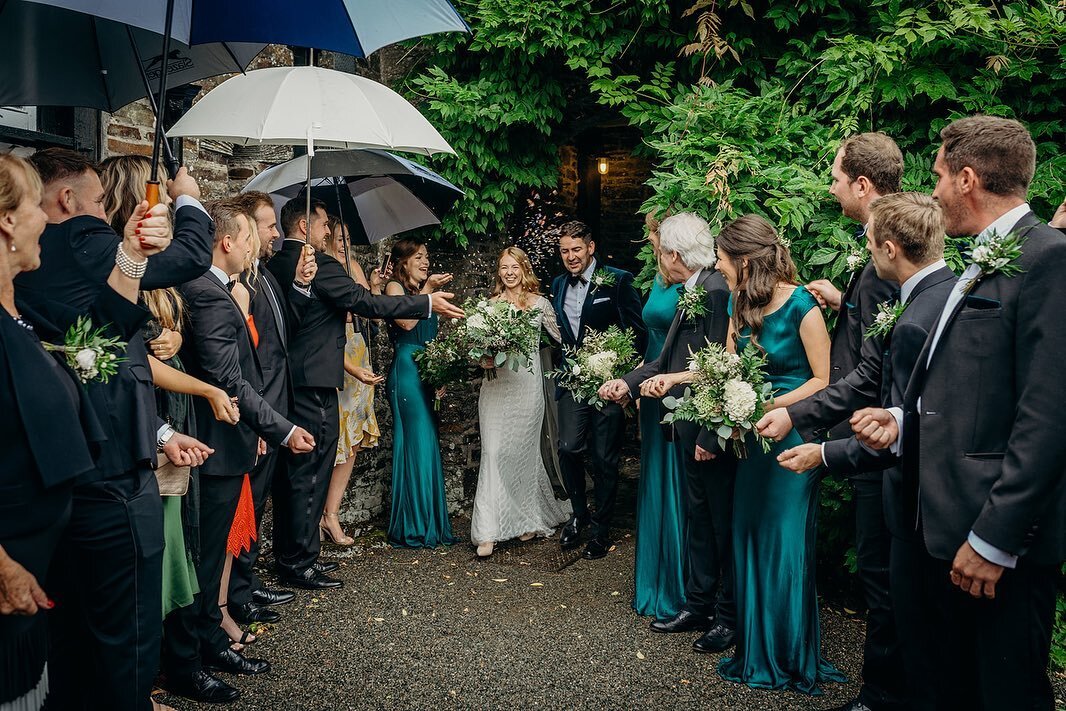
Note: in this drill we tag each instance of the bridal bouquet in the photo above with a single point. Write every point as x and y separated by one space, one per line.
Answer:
602 357
442 362
728 396
88 353
500 331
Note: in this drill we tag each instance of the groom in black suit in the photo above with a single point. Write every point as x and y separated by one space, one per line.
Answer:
316 363
594 296
983 488
688 257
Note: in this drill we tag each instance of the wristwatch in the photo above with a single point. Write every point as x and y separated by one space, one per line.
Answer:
164 438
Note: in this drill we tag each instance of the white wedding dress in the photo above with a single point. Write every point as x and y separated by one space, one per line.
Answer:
514 495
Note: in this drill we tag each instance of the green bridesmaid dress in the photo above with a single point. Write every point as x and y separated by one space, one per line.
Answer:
774 530
659 577
419 515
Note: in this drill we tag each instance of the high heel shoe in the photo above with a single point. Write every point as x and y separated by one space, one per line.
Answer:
246 637
525 537
484 550
324 531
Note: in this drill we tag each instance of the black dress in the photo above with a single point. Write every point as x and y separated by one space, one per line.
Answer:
44 448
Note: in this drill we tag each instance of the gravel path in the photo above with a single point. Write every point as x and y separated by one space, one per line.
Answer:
527 629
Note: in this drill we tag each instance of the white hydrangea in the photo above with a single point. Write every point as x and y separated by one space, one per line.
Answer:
476 321
602 364
739 400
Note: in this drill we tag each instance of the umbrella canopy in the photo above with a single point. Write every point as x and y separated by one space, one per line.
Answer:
356 27
297 105
378 194
56 57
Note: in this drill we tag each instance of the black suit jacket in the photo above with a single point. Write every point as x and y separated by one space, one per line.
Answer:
270 310
218 350
317 339
76 258
986 451
684 337
605 306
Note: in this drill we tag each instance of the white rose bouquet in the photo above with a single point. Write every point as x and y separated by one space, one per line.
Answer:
601 357
728 396
502 332
88 353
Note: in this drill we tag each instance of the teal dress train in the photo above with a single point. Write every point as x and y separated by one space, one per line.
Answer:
419 514
659 576
774 529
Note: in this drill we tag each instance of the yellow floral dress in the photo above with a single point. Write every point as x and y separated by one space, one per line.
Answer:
359 425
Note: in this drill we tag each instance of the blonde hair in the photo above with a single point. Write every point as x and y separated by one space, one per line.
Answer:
530 285
915 222
124 178
334 223
167 307
12 190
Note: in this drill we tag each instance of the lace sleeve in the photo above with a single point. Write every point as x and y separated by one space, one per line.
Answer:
551 325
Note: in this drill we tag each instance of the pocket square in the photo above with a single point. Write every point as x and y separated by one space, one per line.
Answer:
980 302
600 301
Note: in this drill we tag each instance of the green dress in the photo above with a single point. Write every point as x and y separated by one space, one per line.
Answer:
659 577
419 515
774 529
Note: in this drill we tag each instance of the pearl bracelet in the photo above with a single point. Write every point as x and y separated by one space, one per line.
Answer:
125 263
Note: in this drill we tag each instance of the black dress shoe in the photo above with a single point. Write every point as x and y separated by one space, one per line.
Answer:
570 537
202 687
596 549
236 663
683 621
250 612
717 639
853 705
325 566
268 598
311 579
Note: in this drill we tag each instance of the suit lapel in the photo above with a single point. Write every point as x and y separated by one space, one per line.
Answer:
240 317
560 311
589 299
264 279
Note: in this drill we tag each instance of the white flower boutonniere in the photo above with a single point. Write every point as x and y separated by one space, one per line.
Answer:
88 353
692 302
602 277
996 254
857 260
885 320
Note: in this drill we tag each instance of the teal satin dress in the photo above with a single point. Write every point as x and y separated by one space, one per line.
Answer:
419 514
774 531
659 578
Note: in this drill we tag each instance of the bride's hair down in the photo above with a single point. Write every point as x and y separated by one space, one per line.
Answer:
762 262
530 284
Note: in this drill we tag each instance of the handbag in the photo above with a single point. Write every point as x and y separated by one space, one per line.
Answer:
173 480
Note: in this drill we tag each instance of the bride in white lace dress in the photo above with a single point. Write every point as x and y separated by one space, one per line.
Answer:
514 495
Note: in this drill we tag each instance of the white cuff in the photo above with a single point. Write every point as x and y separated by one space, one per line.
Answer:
306 291
188 200
285 442
895 447
429 312
821 448
990 553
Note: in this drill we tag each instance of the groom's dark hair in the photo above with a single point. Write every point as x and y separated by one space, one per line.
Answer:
575 229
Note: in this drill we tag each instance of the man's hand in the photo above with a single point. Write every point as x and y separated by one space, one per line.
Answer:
442 305
825 293
260 447
183 184
20 594
875 427
166 345
614 390
147 232
1059 219
186 451
702 455
377 280
306 268
775 424
974 574
802 458
301 441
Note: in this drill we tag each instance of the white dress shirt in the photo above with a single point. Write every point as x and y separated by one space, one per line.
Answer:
574 301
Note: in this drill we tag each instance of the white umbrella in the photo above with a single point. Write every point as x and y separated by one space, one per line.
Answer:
319 107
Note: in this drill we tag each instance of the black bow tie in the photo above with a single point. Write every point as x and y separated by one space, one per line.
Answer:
575 280
230 285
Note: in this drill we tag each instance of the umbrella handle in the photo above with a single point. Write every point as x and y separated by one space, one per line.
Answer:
151 193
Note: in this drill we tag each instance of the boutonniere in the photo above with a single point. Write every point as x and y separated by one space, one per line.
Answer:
857 260
692 302
885 320
996 254
88 353
602 277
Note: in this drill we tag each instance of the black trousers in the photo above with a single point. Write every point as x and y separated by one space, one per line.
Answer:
967 653
710 589
883 685
583 428
243 579
194 632
302 482
107 581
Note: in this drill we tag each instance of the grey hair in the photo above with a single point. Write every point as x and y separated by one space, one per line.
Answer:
689 236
